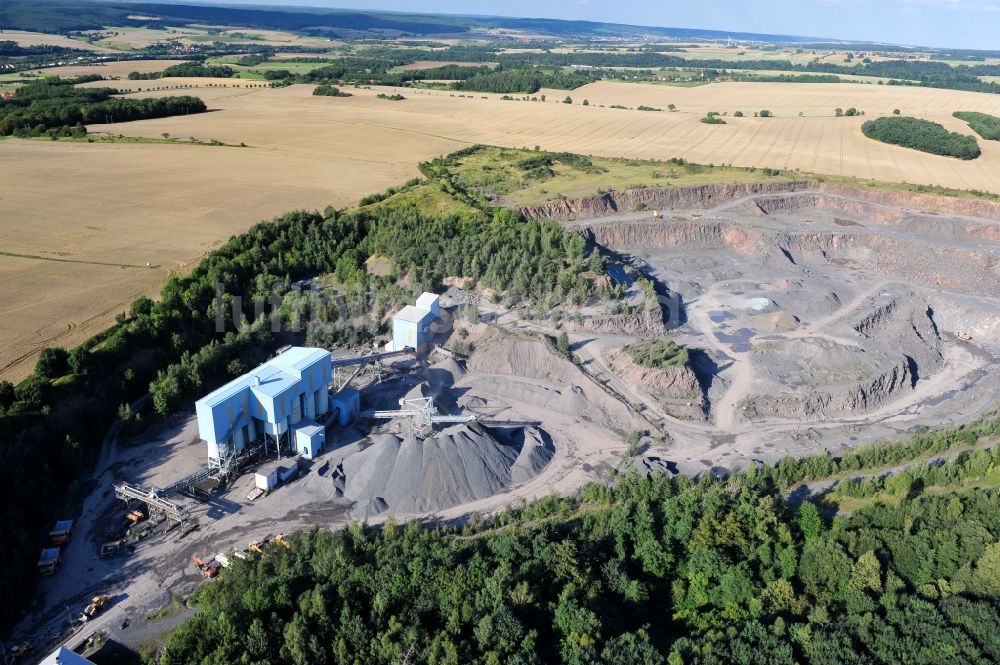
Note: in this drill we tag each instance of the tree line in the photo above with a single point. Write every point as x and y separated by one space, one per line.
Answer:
185 69
55 107
652 571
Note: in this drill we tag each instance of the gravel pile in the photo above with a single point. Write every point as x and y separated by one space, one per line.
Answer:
407 474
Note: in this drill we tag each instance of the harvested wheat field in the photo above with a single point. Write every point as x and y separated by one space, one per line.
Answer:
126 38
23 38
109 69
169 204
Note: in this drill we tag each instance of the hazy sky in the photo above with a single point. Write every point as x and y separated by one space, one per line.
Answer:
953 23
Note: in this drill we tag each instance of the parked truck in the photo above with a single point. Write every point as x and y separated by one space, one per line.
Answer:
209 568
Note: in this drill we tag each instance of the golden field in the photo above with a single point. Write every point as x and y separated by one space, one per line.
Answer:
23 38
168 204
110 69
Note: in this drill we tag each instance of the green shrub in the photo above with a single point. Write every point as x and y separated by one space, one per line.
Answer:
327 90
658 354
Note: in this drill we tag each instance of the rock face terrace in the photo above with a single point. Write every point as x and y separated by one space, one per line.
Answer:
827 315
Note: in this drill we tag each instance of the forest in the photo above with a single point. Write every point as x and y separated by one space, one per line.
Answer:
521 80
185 69
56 107
649 570
922 135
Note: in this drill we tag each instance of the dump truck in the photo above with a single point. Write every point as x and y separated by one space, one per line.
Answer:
48 561
656 214
96 605
964 336
61 532
209 568
135 516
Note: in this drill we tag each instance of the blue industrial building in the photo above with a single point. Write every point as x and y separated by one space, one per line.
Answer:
411 326
287 393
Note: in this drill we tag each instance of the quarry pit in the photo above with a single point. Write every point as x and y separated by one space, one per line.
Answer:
823 316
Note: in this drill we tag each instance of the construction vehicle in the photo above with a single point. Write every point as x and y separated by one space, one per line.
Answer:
61 532
20 650
96 605
280 539
209 568
964 336
135 517
259 545
656 214
48 561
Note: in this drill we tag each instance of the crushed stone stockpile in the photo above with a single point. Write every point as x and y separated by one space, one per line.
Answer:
407 474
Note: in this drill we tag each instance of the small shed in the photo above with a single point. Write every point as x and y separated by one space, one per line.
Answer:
309 439
345 404
61 532
270 475
48 561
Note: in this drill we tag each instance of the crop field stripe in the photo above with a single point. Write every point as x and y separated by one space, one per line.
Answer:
843 128
707 133
753 139
90 263
868 161
407 131
795 144
774 141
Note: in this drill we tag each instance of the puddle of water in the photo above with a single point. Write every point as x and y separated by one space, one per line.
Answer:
739 340
718 316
